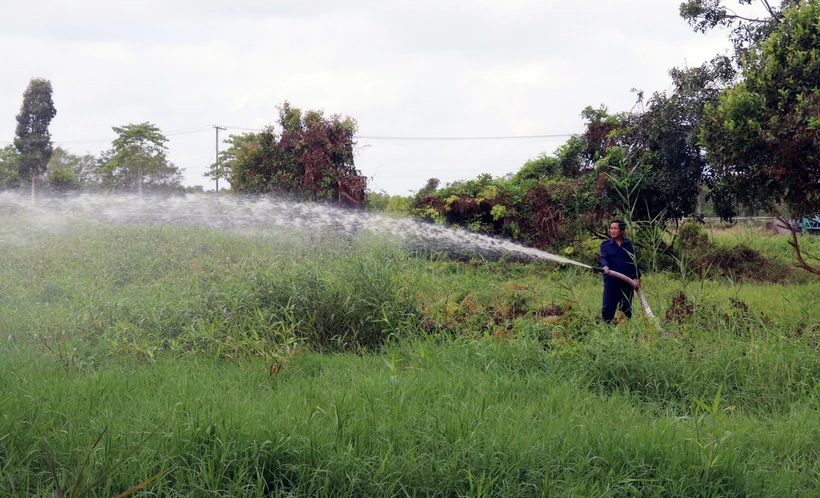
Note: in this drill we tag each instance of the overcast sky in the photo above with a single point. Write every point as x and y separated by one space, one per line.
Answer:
401 68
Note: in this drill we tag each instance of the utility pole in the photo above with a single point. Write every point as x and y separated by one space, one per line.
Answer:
217 128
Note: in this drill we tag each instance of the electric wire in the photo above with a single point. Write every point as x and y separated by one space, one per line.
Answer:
199 129
507 137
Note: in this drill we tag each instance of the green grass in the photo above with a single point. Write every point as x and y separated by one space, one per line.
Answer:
279 365
462 419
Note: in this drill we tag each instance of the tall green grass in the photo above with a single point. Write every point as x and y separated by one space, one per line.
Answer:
148 290
473 418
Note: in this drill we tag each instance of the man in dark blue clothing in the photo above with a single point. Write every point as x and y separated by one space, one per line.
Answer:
618 255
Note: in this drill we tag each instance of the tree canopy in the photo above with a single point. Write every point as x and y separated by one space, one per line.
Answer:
761 136
137 159
312 158
745 32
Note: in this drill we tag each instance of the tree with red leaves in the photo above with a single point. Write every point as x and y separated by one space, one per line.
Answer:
312 159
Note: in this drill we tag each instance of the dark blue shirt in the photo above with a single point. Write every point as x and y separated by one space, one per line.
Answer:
620 258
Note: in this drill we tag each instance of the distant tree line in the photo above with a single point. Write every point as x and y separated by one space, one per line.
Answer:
311 157
136 160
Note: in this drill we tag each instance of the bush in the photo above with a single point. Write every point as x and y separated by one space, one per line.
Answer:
692 241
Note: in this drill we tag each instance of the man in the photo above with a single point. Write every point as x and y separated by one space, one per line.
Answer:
618 255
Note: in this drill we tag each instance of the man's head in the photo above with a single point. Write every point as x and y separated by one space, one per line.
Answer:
616 229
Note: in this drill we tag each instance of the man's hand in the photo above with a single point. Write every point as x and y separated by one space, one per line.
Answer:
637 284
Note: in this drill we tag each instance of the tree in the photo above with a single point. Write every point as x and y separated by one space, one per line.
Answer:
652 153
227 157
138 158
762 134
32 138
313 158
9 176
428 188
378 201
664 138
745 32
67 171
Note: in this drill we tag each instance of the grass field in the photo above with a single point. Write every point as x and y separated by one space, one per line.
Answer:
181 361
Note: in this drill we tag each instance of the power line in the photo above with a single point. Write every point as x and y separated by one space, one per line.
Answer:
507 137
172 133
199 129
388 137
243 128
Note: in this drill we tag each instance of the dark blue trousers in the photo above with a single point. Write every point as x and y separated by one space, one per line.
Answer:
617 294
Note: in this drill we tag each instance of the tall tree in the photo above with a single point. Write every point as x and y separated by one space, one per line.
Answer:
222 168
663 138
138 158
762 134
32 138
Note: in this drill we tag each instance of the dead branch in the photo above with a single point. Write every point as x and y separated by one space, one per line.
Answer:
801 263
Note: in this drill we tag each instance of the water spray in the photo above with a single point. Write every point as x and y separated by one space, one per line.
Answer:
249 214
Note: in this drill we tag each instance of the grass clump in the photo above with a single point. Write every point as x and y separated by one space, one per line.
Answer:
144 291
722 256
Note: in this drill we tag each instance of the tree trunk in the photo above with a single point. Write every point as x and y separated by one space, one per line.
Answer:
33 184
801 262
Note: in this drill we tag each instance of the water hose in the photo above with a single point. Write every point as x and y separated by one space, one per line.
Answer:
620 276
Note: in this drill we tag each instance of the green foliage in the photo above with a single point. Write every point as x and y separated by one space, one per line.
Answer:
541 167
32 138
570 156
543 214
67 171
390 204
62 179
236 144
692 241
9 175
399 204
760 136
659 145
428 188
378 201
550 203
